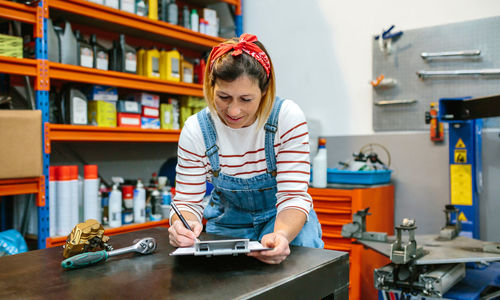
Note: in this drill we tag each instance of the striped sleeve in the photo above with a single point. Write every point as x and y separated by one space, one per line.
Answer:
191 170
293 165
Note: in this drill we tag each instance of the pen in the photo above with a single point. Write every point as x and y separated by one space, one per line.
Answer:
178 213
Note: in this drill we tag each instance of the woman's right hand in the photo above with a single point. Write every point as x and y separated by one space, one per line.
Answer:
180 236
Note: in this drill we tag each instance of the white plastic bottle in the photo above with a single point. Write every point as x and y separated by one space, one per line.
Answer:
91 203
52 201
320 165
74 196
195 21
139 203
63 210
115 207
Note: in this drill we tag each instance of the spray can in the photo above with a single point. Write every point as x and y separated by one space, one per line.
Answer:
195 23
320 165
139 203
63 188
91 204
115 207
73 170
52 201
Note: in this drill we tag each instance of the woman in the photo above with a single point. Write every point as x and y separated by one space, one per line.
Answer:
254 149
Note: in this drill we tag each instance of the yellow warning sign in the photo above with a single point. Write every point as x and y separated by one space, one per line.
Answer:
461 156
462 217
460 144
461 184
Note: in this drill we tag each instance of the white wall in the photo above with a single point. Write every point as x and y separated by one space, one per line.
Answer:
321 49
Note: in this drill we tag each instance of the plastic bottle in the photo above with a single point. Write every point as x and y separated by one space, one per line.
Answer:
103 199
172 13
91 204
153 9
152 66
195 21
52 201
80 198
68 46
63 210
54 53
85 55
320 165
172 59
139 203
101 56
74 107
115 207
141 8
126 57
186 19
112 3
128 196
203 26
74 195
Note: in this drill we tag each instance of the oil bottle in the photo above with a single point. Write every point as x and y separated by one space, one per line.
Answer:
54 53
141 8
153 9
172 65
85 54
68 46
152 66
101 56
141 52
126 57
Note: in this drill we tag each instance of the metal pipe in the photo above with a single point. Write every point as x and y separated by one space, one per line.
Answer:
395 102
485 72
463 53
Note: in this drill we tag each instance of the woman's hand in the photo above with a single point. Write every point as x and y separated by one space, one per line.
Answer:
280 251
180 236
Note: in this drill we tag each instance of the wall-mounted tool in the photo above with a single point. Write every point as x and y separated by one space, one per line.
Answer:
463 53
395 102
436 128
458 73
384 82
386 38
143 246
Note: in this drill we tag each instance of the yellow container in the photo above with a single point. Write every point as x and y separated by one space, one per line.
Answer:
152 65
186 71
140 61
102 113
172 65
166 116
153 9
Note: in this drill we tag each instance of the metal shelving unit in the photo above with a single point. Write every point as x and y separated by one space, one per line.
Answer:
108 19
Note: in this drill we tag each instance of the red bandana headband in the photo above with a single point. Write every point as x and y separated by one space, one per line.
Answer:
246 45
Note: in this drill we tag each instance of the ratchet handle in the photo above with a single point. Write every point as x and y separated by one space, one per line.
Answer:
84 259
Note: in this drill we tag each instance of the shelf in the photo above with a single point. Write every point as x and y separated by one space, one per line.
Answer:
120 79
111 19
87 133
61 240
18 66
21 186
17 12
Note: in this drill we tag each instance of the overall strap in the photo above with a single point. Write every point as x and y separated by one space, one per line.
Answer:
271 128
210 138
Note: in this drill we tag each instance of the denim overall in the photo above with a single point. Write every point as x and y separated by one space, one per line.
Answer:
246 207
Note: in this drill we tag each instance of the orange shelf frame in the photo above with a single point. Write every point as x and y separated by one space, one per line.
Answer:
96 15
21 186
17 12
18 66
119 79
61 240
87 133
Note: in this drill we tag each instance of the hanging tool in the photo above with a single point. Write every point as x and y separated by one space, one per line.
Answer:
386 38
143 246
436 128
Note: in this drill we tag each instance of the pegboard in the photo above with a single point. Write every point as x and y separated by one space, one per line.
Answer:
405 60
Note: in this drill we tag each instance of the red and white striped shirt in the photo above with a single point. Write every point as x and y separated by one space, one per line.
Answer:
242 154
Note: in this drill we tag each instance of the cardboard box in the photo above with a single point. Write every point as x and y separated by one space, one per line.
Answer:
102 113
150 123
129 120
150 112
20 143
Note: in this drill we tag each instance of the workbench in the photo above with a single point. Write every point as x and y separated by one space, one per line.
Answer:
306 274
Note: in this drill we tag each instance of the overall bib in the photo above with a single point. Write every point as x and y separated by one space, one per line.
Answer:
246 207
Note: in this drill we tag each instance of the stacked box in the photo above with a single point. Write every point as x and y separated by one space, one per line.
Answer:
11 46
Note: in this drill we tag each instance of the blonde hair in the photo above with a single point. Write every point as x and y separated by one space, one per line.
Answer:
229 68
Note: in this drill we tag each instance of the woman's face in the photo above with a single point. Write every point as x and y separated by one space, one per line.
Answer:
237 101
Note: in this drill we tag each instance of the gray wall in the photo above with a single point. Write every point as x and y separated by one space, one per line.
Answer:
421 176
